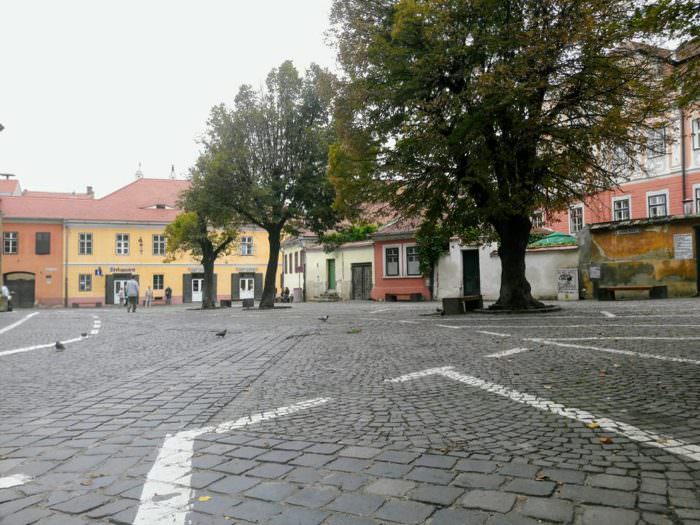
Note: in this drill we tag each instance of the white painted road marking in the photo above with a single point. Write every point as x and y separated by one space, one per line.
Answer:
674 446
508 352
14 481
17 323
96 325
615 351
497 334
607 314
628 337
380 310
166 497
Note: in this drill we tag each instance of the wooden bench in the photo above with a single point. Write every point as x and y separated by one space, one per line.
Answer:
96 304
656 291
393 297
460 305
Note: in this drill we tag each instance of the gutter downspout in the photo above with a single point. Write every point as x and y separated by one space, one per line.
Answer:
686 211
65 265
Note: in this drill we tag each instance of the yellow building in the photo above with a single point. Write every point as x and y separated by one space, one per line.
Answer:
109 240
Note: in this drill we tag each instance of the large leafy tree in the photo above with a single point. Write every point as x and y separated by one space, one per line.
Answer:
269 157
479 112
203 230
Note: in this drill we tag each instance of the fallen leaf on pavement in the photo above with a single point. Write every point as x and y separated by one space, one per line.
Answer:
204 498
593 424
605 440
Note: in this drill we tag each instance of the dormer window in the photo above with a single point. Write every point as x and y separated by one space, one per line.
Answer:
160 206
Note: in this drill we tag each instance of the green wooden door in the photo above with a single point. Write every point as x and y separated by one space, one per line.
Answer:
330 272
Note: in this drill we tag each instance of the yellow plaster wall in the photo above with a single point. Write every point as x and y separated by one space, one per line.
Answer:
145 264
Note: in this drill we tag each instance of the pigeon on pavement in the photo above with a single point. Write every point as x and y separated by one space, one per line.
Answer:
83 334
59 346
222 333
324 318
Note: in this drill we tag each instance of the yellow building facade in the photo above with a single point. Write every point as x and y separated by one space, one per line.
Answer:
101 257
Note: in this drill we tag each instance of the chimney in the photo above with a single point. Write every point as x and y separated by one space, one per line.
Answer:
90 191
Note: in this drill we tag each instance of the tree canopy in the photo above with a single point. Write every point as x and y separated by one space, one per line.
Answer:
204 230
479 112
269 156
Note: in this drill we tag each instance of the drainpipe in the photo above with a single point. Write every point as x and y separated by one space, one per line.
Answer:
65 265
687 203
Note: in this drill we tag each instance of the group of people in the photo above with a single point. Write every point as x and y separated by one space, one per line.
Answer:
129 295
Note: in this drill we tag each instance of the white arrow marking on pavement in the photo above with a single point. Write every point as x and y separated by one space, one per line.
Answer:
615 351
675 446
13 481
506 353
607 314
17 323
497 334
166 497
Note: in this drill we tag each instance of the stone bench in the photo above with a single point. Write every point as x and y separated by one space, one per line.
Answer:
656 291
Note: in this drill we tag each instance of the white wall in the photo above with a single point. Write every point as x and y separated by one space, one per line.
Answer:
345 257
540 269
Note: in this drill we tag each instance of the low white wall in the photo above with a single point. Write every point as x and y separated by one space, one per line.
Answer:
540 268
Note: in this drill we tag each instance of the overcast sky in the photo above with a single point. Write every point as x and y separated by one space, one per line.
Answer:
90 88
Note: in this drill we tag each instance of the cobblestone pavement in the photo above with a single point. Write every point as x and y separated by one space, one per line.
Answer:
590 415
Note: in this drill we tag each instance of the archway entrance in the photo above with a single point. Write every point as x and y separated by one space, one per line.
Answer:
22 286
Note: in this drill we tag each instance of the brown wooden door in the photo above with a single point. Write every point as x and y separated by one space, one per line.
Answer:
361 281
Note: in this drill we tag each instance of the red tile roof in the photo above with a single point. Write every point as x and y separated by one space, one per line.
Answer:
64 195
133 202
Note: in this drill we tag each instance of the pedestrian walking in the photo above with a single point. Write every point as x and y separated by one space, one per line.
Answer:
168 295
5 292
122 296
132 294
149 297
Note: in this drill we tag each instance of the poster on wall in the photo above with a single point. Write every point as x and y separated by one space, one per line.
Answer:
567 284
683 246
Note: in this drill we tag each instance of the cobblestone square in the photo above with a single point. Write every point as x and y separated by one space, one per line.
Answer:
384 413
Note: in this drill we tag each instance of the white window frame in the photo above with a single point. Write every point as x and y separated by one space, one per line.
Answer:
537 217
162 281
158 240
583 218
13 239
247 245
656 194
620 198
696 204
695 129
653 135
405 257
384 249
119 244
85 240
85 282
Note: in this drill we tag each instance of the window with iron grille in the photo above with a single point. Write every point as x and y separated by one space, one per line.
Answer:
657 205
159 245
621 209
43 243
246 245
122 244
85 244
10 242
85 282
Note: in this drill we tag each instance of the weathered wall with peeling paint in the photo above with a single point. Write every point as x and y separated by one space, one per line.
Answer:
641 253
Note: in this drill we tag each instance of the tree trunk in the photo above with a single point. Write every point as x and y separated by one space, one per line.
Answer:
268 296
513 233
208 288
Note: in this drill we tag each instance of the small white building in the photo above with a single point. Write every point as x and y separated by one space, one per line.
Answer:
470 270
293 255
346 273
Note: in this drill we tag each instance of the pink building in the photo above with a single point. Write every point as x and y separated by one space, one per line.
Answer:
397 272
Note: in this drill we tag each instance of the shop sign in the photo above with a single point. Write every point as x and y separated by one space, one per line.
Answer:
120 269
196 269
